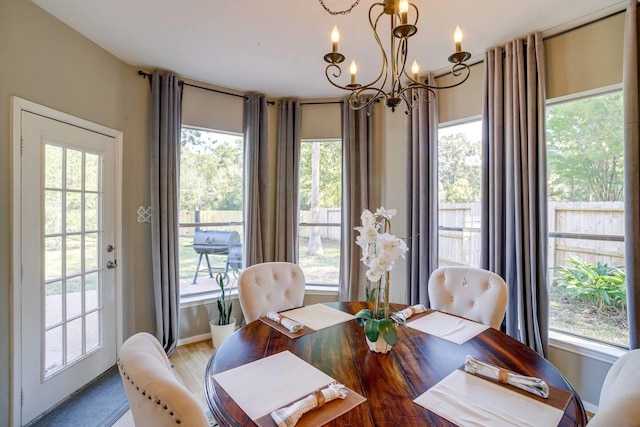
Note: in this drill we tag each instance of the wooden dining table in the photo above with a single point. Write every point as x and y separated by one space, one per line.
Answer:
390 382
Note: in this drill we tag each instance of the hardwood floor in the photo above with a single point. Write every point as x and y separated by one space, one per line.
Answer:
189 363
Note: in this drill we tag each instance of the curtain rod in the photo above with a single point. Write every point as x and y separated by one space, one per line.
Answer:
183 83
321 103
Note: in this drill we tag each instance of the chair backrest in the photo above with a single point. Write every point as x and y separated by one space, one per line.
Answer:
469 292
156 397
270 286
620 395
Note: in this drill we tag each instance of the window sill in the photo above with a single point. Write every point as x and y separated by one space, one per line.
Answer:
584 347
211 297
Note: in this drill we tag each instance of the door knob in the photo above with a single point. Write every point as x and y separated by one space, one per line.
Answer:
112 264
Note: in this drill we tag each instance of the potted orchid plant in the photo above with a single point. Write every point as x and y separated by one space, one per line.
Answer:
380 251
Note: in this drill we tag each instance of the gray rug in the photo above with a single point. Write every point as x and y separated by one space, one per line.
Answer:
98 404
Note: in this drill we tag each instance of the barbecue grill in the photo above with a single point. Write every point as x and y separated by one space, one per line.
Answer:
217 242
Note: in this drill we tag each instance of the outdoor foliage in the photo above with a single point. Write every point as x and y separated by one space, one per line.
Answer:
211 172
458 169
330 174
584 149
602 285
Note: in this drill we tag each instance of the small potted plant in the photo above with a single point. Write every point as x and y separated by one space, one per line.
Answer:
380 250
225 324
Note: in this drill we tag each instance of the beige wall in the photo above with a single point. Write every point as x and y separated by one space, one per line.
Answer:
44 61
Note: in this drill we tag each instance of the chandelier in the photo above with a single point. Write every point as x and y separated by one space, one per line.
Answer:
394 62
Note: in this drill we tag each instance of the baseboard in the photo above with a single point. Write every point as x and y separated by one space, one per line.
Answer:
590 407
193 339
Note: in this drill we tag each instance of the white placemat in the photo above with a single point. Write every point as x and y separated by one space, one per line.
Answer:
469 401
268 384
317 316
445 326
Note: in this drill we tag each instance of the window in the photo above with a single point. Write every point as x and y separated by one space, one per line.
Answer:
587 285
211 208
320 207
459 187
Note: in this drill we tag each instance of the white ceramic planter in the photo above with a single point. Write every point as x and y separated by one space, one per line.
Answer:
219 333
380 346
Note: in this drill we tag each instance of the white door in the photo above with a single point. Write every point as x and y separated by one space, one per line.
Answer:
68 310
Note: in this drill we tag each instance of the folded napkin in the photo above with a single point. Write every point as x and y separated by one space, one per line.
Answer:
530 384
289 416
291 325
408 312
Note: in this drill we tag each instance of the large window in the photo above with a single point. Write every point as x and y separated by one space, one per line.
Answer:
587 283
211 208
320 203
459 185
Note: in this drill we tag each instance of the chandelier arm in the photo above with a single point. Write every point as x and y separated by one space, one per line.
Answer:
385 65
339 72
456 70
355 103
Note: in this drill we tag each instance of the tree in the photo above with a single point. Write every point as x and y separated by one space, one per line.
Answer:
584 149
314 247
458 169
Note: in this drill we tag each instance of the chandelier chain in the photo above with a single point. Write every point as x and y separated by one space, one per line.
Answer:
340 12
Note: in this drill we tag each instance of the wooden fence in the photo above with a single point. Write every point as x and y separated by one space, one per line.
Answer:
592 231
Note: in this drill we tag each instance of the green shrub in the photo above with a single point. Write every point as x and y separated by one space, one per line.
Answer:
600 284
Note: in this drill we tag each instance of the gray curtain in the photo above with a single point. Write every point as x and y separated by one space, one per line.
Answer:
258 237
358 194
287 167
422 196
630 77
514 209
166 93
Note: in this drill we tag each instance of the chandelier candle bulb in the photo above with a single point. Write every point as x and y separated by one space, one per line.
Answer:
353 69
457 38
415 70
335 38
403 8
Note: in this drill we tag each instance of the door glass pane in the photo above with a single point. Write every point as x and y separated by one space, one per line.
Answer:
53 303
53 258
73 255
91 211
92 172
92 338
74 170
92 299
90 251
74 297
53 349
74 339
53 166
52 212
74 212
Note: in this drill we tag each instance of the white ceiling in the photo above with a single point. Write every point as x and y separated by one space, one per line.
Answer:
277 46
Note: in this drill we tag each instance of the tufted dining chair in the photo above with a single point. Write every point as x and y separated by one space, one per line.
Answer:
270 286
156 397
469 292
620 395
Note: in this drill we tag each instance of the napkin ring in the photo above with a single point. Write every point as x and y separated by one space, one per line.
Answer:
503 376
319 397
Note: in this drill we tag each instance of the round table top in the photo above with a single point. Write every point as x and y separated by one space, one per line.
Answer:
390 382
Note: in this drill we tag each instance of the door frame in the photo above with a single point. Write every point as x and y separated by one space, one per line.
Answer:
18 105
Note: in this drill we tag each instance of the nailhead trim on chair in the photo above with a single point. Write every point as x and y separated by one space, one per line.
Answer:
144 393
